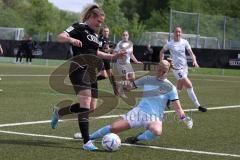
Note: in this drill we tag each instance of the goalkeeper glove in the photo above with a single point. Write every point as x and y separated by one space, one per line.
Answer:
188 121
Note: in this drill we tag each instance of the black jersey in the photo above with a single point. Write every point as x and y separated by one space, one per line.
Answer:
105 43
86 35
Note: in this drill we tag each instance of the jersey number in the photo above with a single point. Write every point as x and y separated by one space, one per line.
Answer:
124 71
180 75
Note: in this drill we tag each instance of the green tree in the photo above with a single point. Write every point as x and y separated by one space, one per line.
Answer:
12 17
115 18
187 5
152 13
158 21
136 28
144 7
37 17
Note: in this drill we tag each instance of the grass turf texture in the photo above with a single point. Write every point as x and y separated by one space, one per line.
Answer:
29 98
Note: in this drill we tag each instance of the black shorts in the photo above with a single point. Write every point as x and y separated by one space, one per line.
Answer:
82 79
106 64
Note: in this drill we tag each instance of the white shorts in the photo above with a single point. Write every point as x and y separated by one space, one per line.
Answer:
124 69
181 73
137 118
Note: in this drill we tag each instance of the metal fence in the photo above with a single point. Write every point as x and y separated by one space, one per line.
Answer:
202 31
216 31
7 33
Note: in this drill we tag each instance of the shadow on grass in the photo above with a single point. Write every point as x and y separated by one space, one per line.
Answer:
40 143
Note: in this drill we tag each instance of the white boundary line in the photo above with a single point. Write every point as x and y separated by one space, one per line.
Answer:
47 75
109 116
35 135
131 145
31 75
184 150
139 72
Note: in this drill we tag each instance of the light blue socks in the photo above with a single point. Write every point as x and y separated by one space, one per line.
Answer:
100 133
146 136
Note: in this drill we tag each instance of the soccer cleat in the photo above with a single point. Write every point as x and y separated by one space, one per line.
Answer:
55 117
131 140
89 146
202 109
77 135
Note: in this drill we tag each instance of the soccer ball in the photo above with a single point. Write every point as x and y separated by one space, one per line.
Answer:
111 142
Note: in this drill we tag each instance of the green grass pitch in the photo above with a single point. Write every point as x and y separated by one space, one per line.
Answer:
26 96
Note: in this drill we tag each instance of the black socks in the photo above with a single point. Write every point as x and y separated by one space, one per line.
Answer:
100 77
83 122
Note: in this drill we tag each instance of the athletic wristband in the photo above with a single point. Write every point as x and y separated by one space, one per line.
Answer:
182 117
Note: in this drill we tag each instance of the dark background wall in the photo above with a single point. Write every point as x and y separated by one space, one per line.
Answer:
214 58
50 50
218 58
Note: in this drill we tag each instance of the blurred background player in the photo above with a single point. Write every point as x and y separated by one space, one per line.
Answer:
177 47
1 53
106 46
148 52
157 91
20 52
29 46
1 50
123 64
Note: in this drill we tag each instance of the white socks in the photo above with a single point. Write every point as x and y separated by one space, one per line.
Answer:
193 97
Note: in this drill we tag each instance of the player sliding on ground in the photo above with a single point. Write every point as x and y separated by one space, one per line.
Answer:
157 91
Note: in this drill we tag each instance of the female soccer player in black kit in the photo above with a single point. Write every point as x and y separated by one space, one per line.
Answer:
82 72
106 46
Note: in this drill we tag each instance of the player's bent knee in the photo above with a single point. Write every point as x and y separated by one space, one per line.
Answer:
179 88
114 126
157 132
130 76
188 85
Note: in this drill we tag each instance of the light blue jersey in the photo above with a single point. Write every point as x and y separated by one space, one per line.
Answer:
156 94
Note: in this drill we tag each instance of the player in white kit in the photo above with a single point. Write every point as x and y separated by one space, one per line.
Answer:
157 91
177 47
124 66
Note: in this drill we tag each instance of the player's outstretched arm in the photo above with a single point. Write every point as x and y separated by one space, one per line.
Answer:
64 37
114 55
161 54
135 59
187 120
194 59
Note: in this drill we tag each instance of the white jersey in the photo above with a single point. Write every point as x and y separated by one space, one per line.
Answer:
125 59
177 50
